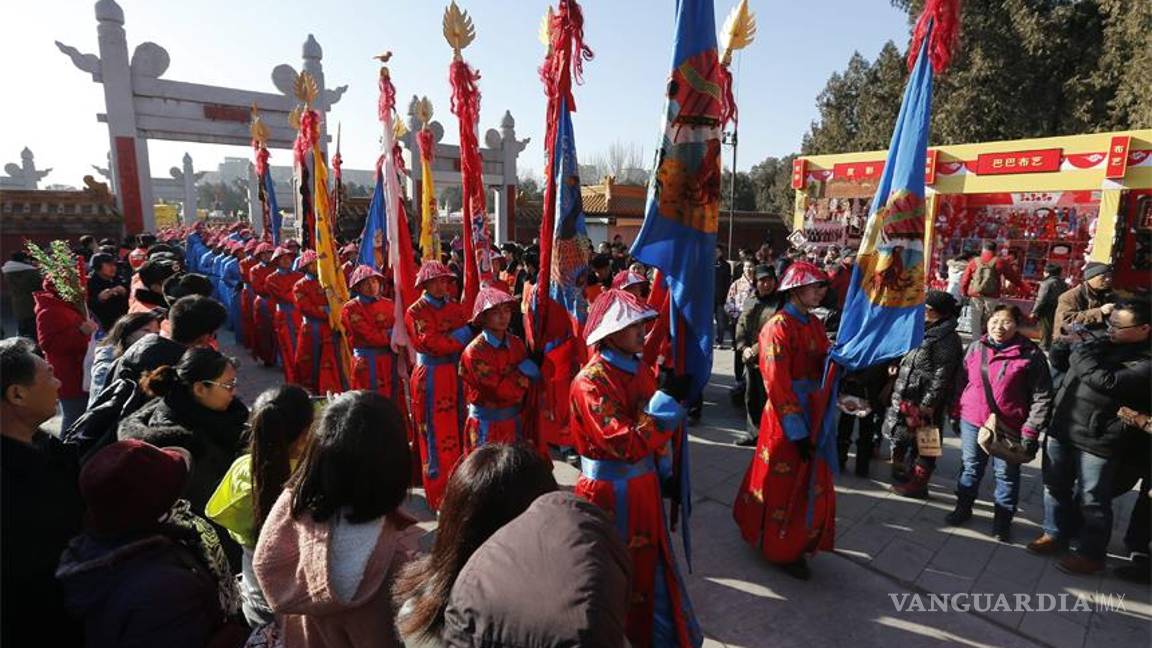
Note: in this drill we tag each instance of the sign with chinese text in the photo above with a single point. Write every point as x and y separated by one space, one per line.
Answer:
1117 157
1038 161
930 167
799 173
858 171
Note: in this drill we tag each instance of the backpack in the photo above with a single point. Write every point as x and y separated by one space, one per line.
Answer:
98 426
985 280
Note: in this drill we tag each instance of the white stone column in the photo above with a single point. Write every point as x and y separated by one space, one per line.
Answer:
116 77
189 215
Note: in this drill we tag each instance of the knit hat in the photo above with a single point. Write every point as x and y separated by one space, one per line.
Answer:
1093 269
361 273
100 258
940 301
613 311
129 484
763 271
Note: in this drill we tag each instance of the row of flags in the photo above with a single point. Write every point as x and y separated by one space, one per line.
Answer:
883 315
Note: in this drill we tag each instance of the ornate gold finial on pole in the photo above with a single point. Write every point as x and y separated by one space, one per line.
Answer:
305 88
424 111
258 128
458 29
739 31
545 34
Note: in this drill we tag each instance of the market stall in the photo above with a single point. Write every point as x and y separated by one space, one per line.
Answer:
1059 200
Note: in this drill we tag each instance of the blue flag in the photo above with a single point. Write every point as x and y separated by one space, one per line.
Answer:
679 231
569 255
273 208
375 225
883 314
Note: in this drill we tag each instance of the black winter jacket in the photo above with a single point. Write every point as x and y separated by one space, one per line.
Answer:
213 438
1102 377
927 376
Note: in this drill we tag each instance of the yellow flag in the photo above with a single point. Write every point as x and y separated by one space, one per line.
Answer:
328 272
429 236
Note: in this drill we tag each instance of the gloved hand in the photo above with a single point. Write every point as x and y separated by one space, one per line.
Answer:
675 386
1031 446
804 449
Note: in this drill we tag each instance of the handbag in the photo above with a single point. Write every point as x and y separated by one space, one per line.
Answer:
928 441
996 438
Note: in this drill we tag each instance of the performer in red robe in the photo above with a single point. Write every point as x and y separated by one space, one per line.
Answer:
318 365
368 320
263 307
440 331
286 320
247 295
633 282
623 428
786 506
348 261
496 372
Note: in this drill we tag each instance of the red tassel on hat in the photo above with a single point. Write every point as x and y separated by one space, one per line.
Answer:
940 23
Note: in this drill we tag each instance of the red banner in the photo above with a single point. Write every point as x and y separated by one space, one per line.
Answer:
930 166
1038 161
128 181
799 173
858 171
1117 157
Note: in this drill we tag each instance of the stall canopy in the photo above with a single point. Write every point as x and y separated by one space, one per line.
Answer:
1061 200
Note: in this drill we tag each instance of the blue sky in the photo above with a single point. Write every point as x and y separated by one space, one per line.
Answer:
51 106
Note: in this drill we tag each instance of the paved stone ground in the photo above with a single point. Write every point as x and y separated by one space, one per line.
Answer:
886 546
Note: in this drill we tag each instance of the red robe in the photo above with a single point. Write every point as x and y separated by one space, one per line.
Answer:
247 297
622 428
318 367
263 315
496 375
368 322
439 333
286 320
772 505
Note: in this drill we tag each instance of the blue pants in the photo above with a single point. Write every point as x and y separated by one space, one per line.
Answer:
1082 514
974 461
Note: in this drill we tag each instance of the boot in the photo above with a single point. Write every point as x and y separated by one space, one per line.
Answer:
896 464
1002 523
863 457
962 512
917 487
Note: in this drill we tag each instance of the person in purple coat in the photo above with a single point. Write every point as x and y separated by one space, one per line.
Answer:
1021 386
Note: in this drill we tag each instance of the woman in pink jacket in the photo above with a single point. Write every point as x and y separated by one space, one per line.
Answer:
337 535
1021 386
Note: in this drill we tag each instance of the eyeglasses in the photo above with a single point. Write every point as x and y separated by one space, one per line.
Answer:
231 386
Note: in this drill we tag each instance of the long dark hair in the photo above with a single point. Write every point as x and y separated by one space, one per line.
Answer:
119 337
359 459
279 417
490 488
196 365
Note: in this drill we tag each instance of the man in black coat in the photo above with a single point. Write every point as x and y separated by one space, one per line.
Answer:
1087 435
40 503
107 293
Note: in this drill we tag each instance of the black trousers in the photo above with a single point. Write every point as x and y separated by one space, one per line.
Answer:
869 426
755 398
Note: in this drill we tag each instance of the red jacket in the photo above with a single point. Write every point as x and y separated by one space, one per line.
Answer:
1003 266
64 344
